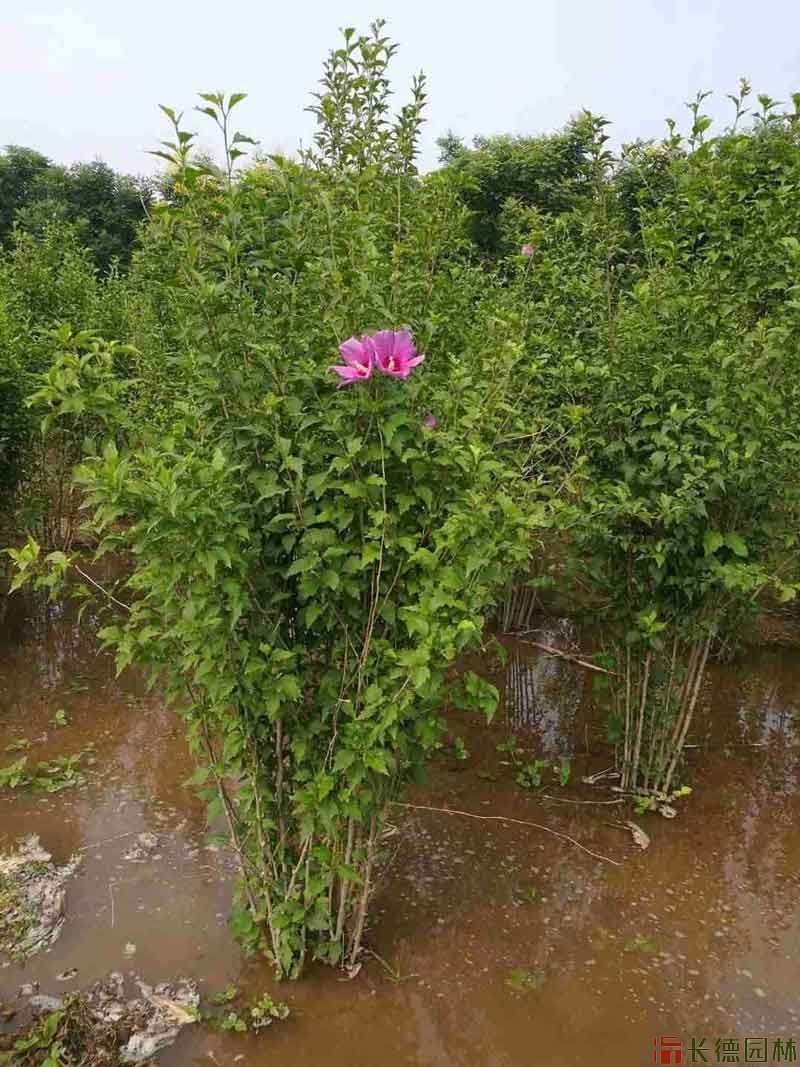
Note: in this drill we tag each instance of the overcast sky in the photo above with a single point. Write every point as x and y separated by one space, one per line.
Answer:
83 78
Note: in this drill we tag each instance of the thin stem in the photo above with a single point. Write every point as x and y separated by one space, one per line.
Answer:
661 724
627 737
345 882
362 904
688 716
640 725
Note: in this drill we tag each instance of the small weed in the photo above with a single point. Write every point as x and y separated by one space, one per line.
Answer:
60 718
563 770
529 776
392 973
257 1016
639 943
521 981
529 894
226 996
265 1010
13 776
233 1021
47 776
647 802
460 750
42 1044
511 748
19 744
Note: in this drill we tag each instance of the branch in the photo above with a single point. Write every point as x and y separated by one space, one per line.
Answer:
567 655
519 822
97 585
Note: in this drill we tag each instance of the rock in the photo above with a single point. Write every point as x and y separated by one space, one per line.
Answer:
32 897
638 834
162 1011
144 1046
45 1004
124 1028
143 848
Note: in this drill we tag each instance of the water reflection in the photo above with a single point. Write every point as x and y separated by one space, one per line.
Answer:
543 692
700 933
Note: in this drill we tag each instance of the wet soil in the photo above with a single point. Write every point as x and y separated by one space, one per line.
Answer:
506 945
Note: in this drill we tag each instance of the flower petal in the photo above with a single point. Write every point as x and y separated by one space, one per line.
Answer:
354 351
383 344
349 375
404 345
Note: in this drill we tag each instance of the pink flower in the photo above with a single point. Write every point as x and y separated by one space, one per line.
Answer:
359 359
394 352
430 422
527 250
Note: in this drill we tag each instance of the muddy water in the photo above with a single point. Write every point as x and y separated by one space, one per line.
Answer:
507 945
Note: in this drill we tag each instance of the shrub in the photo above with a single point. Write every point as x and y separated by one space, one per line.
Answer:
43 282
308 561
663 392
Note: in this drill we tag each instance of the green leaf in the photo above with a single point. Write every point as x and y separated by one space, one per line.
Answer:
302 565
712 541
736 544
344 759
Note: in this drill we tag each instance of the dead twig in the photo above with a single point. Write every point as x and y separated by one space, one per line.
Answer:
518 822
97 585
567 655
394 975
592 779
106 841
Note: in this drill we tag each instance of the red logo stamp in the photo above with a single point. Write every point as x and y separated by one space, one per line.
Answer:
667 1050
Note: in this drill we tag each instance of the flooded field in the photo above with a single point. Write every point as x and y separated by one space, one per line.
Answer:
491 943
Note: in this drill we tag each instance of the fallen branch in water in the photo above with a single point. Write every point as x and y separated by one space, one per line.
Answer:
101 588
567 655
505 818
598 776
105 841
